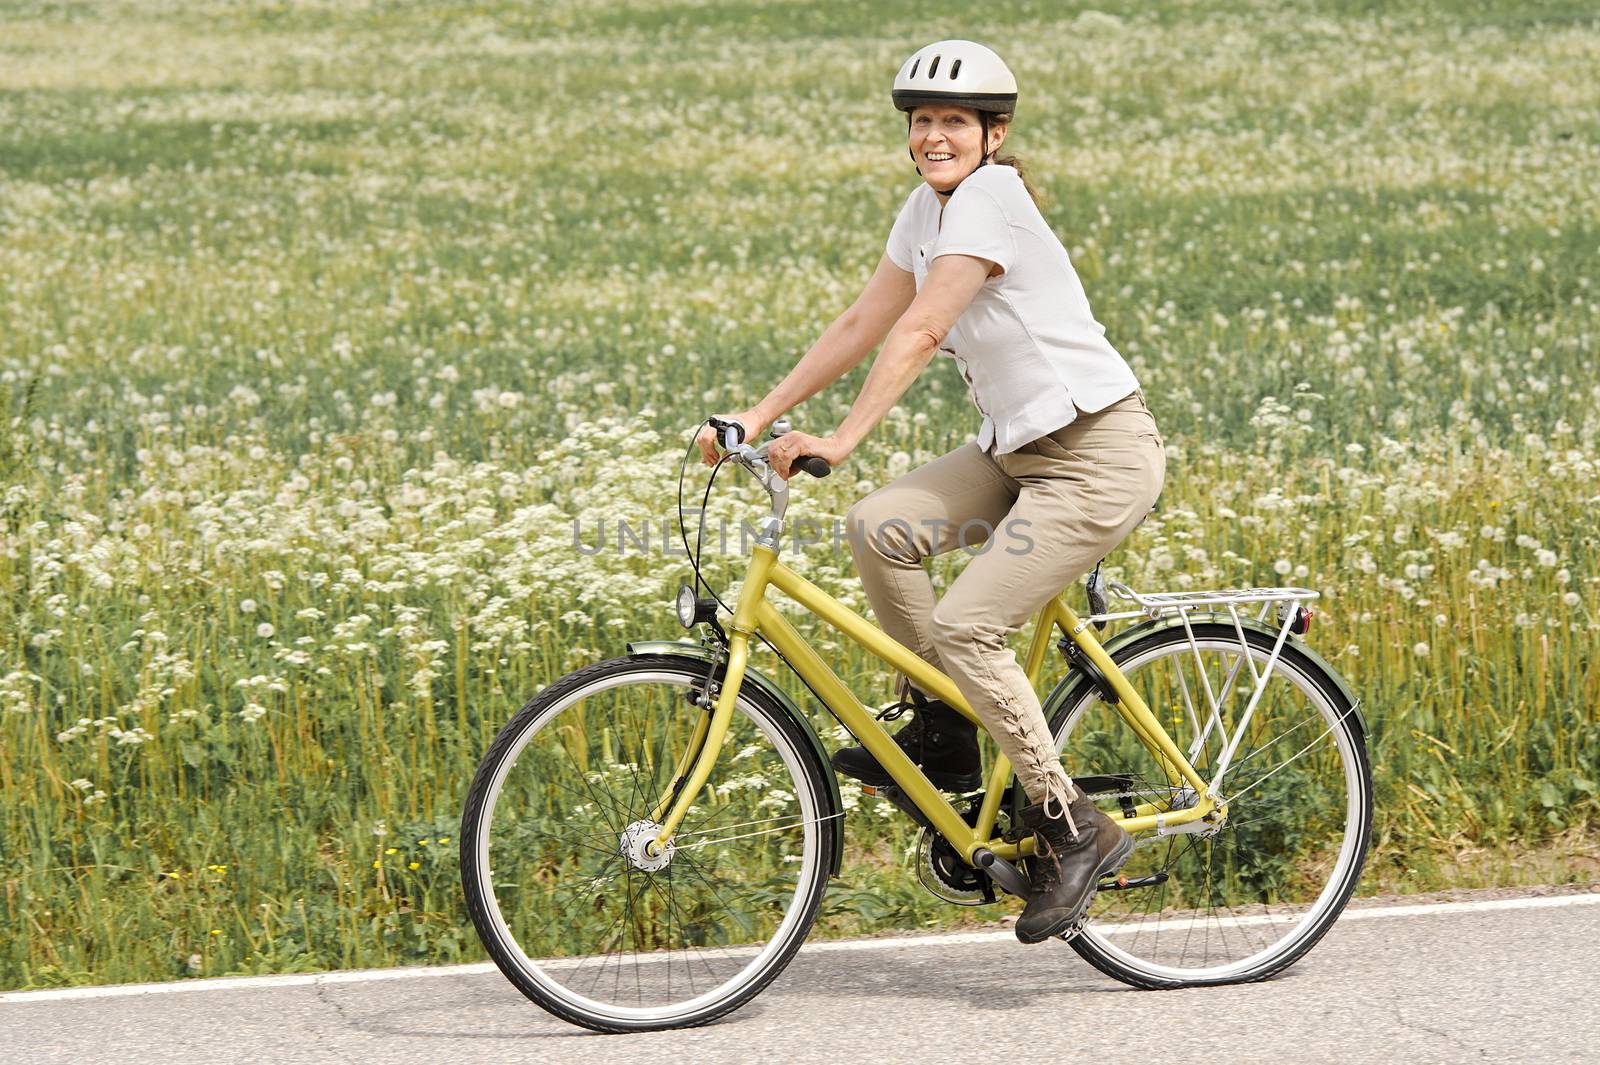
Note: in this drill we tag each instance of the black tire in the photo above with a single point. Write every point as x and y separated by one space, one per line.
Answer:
1123 942
771 740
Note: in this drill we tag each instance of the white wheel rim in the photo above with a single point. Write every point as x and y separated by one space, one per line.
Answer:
536 970
1310 920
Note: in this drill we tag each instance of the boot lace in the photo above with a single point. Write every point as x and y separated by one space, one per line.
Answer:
906 698
913 739
1062 792
915 733
895 710
1046 866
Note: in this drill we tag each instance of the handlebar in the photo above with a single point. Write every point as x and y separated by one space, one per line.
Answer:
732 432
815 466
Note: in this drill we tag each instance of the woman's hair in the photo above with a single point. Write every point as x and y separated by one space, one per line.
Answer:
1004 119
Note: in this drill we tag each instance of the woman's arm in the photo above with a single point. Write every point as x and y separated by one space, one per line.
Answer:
843 345
952 282
845 342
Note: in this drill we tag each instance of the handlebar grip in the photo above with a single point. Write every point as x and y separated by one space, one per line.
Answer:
815 466
723 424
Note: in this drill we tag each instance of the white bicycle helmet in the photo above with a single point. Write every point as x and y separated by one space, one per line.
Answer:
957 74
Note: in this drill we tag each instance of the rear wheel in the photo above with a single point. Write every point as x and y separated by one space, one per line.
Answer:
572 906
1247 897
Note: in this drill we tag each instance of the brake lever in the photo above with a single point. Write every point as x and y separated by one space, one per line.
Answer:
815 465
733 442
732 431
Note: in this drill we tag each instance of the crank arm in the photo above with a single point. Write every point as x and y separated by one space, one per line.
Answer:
903 803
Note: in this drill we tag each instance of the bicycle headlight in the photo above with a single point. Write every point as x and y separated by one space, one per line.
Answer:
685 606
693 609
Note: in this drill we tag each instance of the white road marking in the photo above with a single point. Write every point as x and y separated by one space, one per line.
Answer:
251 983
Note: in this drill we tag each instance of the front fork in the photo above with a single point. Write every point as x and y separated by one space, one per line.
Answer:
670 811
700 754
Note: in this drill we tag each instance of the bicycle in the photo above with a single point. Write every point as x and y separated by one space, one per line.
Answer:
670 816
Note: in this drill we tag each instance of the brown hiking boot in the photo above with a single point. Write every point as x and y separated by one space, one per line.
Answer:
1067 869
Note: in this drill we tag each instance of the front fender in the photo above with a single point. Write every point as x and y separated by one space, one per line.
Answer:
1068 686
685 649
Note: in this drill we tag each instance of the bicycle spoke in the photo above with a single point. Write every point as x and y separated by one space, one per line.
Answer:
593 917
1240 893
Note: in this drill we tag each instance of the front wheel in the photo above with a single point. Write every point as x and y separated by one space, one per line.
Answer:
1246 897
571 905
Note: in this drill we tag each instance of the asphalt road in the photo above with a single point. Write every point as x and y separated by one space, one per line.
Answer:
1511 980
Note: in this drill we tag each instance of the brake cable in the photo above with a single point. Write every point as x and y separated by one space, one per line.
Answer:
700 533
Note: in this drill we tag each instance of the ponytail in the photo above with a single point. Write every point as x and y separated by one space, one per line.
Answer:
1015 163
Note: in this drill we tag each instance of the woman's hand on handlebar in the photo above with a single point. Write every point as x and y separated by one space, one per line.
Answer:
710 440
782 452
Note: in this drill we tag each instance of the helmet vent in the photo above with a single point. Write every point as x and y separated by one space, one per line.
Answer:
955 73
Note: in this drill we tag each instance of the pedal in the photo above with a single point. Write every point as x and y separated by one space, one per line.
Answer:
875 792
1072 931
1123 883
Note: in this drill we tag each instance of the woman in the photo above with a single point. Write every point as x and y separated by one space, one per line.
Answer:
1066 462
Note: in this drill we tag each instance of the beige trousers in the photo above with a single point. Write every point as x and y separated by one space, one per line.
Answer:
1034 521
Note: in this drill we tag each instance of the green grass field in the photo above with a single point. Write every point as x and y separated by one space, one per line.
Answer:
321 323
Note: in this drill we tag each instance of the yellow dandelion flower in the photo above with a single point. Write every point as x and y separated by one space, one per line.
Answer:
444 839
378 864
391 850
216 931
414 865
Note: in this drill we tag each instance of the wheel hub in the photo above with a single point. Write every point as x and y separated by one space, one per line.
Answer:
637 845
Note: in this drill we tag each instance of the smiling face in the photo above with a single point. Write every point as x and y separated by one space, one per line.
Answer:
947 144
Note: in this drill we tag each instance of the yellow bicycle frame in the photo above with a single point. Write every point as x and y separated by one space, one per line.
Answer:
754 615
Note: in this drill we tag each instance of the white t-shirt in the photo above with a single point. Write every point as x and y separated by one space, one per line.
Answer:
1028 346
